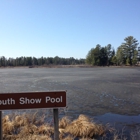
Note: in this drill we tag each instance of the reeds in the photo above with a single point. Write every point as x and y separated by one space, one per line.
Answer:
34 127
84 127
26 127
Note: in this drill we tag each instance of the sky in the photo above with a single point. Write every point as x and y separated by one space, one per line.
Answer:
65 28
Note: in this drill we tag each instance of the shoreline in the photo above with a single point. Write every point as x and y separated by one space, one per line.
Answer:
90 127
69 66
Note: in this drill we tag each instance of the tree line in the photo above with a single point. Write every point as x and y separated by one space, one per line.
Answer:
32 61
126 54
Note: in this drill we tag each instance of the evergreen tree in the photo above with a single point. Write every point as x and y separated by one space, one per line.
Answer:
129 49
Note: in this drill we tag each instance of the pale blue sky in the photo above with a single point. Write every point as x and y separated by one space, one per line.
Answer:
65 28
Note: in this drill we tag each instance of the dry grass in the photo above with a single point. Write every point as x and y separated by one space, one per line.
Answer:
33 127
24 127
84 127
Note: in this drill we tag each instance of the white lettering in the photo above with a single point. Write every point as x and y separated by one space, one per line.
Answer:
57 100
21 100
61 99
38 101
47 99
9 101
53 100
29 101
32 101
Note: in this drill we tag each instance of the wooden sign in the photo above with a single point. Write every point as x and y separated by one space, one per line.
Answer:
32 100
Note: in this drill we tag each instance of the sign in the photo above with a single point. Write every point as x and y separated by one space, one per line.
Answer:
32 100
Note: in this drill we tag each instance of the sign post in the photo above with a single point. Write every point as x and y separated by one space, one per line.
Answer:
1 125
32 100
56 124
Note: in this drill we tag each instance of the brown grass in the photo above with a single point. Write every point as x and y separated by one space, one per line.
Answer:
21 127
84 127
33 127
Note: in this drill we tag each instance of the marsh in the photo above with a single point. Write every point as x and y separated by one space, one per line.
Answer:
103 93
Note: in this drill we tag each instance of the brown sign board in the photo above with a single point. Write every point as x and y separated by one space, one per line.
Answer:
32 100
